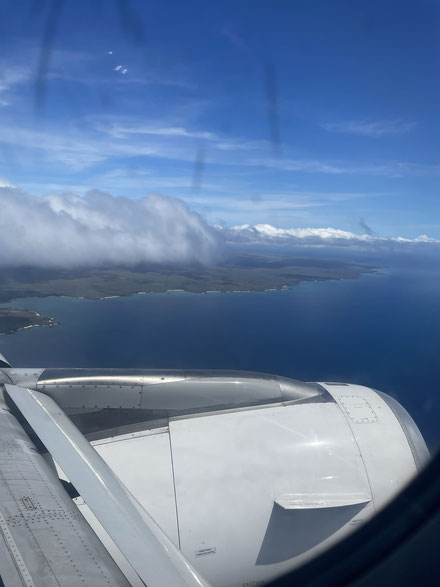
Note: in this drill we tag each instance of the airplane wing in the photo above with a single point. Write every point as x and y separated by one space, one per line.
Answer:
44 539
29 483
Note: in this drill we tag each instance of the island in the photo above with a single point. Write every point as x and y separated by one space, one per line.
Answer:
13 319
240 271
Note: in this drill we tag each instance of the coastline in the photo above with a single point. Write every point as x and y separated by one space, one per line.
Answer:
122 284
17 319
238 273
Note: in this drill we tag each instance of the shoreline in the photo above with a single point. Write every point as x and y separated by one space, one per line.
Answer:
22 319
284 287
36 319
238 273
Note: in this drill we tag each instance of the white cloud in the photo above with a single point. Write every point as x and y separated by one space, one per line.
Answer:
315 237
68 230
5 183
371 129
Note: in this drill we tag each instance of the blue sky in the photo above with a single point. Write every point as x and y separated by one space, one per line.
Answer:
187 99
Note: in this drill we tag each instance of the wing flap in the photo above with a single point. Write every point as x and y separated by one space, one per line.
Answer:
295 501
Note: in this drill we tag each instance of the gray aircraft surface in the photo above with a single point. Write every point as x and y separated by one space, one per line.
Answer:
190 477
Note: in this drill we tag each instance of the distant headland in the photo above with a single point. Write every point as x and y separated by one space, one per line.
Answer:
13 319
240 272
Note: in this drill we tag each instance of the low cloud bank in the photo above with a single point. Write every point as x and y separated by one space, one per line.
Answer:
68 230
266 234
99 229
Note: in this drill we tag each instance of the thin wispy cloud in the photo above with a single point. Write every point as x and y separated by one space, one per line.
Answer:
135 179
251 205
11 78
97 141
78 151
366 128
107 141
394 169
305 165
135 129
118 130
230 32
276 202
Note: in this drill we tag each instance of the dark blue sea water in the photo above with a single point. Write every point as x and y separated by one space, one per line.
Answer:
381 330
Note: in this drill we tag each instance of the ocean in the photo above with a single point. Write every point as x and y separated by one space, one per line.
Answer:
381 330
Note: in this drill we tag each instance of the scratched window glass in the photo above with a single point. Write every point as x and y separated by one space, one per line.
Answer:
219 280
